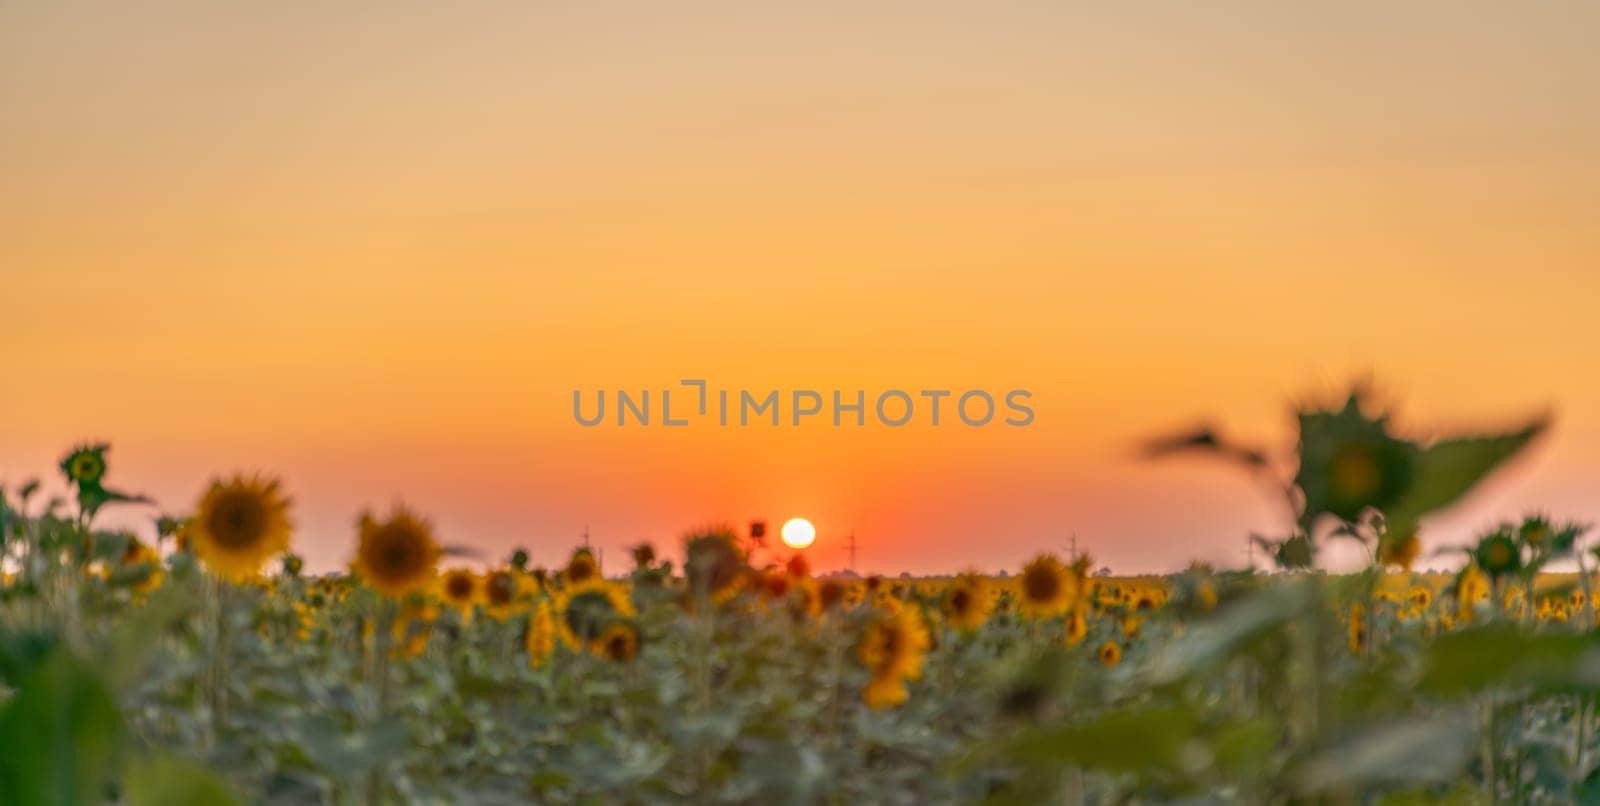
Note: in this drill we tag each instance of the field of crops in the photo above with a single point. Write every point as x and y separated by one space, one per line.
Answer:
205 665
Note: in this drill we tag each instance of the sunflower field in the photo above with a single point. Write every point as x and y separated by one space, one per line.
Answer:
207 665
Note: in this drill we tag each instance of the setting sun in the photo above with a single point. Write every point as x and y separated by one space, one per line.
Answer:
798 533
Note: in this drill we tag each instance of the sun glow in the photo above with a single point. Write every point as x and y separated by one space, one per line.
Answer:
798 533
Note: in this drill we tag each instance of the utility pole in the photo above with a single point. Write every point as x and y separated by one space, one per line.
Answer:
852 551
1074 546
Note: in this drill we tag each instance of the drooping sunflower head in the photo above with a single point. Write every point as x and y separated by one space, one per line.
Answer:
85 466
967 602
714 563
1046 587
618 641
581 568
459 588
398 556
239 524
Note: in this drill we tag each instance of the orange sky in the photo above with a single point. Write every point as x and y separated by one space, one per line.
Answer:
374 251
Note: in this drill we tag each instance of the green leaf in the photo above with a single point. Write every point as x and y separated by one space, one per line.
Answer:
1126 740
163 780
61 735
1449 469
1466 662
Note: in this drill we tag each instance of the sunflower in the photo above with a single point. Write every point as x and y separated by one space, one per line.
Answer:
1399 550
411 629
1498 555
584 610
1349 462
894 643
806 602
1047 589
967 602
238 524
459 588
885 691
540 638
1420 597
1077 627
619 642
1110 653
797 567
581 568
714 564
398 556
1535 532
831 593
138 554
500 589
85 466
1357 628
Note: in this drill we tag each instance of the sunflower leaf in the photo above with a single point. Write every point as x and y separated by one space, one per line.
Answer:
1448 470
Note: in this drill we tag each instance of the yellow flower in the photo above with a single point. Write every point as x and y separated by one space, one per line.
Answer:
459 588
238 525
967 602
1047 588
137 554
581 568
1358 628
619 642
398 556
1077 627
885 691
1110 653
894 643
500 590
586 609
540 640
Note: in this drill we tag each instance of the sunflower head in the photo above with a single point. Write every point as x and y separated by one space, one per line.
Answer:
1535 532
830 593
714 563
1110 653
500 591
1357 628
1077 627
1399 549
238 524
797 567
885 691
967 602
1047 588
459 588
585 610
85 466
397 556
539 639
894 643
1498 554
644 555
1349 462
618 642
581 568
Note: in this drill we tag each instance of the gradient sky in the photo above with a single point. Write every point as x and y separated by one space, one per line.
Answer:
374 248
